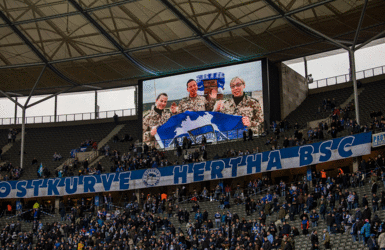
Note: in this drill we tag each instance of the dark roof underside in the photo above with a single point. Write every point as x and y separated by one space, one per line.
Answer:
111 43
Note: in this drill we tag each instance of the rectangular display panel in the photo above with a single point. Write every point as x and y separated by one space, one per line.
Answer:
210 105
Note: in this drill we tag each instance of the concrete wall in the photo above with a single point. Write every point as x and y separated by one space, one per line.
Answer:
294 90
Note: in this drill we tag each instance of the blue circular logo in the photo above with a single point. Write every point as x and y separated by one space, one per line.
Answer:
151 177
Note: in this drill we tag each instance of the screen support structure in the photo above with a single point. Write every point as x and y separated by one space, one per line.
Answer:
23 109
27 105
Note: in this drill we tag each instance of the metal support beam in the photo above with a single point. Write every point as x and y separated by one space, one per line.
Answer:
34 49
34 86
370 40
354 79
344 42
192 27
22 137
359 24
308 7
91 87
96 104
136 97
110 38
300 27
22 65
13 93
305 64
10 98
55 110
72 13
49 97
318 33
275 7
15 122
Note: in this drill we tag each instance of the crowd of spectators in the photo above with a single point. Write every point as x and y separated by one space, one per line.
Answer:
340 119
11 172
145 222
138 157
343 119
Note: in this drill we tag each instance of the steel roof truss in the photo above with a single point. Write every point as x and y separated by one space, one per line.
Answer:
191 26
110 38
34 49
360 24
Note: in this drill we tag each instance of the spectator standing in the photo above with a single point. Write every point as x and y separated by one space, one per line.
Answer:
372 245
250 134
365 231
314 239
323 176
305 226
326 239
381 241
314 218
375 201
9 137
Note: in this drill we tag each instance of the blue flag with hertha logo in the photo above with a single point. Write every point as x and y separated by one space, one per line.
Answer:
217 126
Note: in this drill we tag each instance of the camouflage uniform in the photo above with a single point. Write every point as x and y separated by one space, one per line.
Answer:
198 103
247 107
153 119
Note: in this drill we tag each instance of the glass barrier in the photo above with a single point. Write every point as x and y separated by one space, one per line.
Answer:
346 78
69 117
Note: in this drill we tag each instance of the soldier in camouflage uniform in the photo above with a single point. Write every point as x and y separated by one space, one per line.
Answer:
242 105
155 118
194 102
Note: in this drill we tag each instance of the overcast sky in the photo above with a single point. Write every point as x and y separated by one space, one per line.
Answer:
366 58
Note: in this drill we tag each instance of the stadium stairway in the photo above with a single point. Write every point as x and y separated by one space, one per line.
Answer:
100 145
122 147
9 145
351 98
42 143
110 136
307 110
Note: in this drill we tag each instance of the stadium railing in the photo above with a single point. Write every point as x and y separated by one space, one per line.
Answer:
69 117
330 81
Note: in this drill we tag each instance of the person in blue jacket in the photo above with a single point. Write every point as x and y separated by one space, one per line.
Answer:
365 231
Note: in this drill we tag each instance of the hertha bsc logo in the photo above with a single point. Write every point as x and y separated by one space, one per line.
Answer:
151 177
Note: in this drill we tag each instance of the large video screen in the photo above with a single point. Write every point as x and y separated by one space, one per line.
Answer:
204 106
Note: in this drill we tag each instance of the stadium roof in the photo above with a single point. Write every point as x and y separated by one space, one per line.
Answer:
111 43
